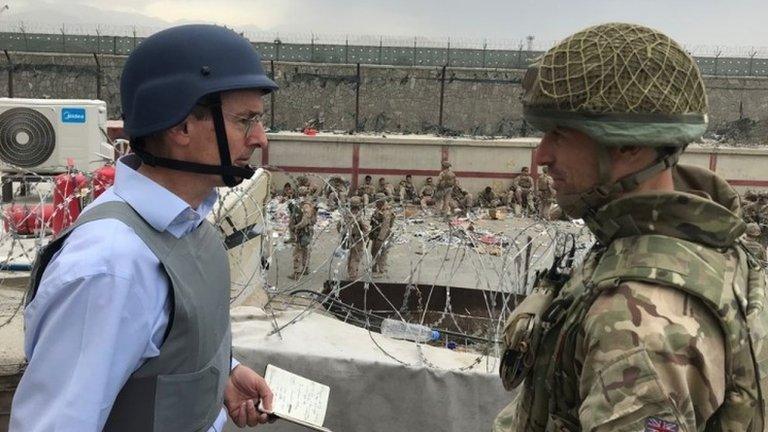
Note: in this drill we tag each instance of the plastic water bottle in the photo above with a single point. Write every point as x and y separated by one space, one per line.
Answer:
402 330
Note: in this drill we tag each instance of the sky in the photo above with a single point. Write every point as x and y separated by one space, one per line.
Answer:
736 25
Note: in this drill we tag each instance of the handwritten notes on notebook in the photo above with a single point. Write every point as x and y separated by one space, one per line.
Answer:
298 399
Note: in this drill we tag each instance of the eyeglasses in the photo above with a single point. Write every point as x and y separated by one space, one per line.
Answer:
247 123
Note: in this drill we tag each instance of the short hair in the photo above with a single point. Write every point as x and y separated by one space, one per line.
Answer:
368 177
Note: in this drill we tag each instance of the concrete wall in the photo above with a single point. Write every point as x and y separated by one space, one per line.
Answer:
477 163
398 99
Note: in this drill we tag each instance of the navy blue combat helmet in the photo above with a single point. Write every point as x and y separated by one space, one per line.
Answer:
171 71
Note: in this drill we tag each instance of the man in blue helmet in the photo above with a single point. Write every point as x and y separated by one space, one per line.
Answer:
127 320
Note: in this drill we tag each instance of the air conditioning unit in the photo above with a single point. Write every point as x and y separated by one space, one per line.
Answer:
46 136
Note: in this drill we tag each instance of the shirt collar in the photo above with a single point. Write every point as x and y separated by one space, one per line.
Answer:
144 195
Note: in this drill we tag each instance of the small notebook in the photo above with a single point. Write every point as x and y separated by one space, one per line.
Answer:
297 399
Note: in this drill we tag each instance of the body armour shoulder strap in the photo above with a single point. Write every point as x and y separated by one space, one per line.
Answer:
733 289
182 388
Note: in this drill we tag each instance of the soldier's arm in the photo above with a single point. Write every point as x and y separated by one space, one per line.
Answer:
651 356
306 218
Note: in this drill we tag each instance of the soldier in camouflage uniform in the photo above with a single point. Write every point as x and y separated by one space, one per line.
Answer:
523 190
487 198
303 181
287 193
427 194
336 192
663 326
546 189
385 188
462 198
407 191
367 190
382 221
446 181
354 230
302 223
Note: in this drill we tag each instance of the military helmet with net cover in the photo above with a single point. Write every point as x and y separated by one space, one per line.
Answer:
621 84
355 202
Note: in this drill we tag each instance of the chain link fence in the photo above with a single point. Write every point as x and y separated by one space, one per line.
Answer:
340 49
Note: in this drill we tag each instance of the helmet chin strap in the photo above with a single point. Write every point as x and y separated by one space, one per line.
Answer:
585 204
231 174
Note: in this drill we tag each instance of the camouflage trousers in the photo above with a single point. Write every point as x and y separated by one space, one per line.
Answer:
353 262
524 199
379 256
444 201
545 207
300 260
427 201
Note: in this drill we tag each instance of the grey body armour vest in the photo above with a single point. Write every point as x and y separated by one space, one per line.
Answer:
182 389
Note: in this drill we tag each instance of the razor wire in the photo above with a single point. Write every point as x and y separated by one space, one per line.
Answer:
457 249
499 272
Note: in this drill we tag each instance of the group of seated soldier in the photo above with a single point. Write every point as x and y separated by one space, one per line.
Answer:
525 195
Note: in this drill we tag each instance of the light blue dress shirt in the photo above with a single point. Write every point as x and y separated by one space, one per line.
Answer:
100 312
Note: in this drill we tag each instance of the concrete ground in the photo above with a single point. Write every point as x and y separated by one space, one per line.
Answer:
427 250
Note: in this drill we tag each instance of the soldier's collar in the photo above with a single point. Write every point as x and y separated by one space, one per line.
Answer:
675 214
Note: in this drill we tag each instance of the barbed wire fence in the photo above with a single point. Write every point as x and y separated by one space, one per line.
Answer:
433 291
500 278
353 49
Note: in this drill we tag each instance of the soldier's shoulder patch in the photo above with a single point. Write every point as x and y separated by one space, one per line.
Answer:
653 424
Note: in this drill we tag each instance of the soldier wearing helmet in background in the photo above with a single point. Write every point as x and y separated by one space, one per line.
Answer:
304 181
523 187
336 192
119 301
382 221
661 326
302 228
354 232
446 180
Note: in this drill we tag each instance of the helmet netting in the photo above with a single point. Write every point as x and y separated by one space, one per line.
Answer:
618 68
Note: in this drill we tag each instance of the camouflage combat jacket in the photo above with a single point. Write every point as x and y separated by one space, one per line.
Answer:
662 327
523 181
305 216
382 221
